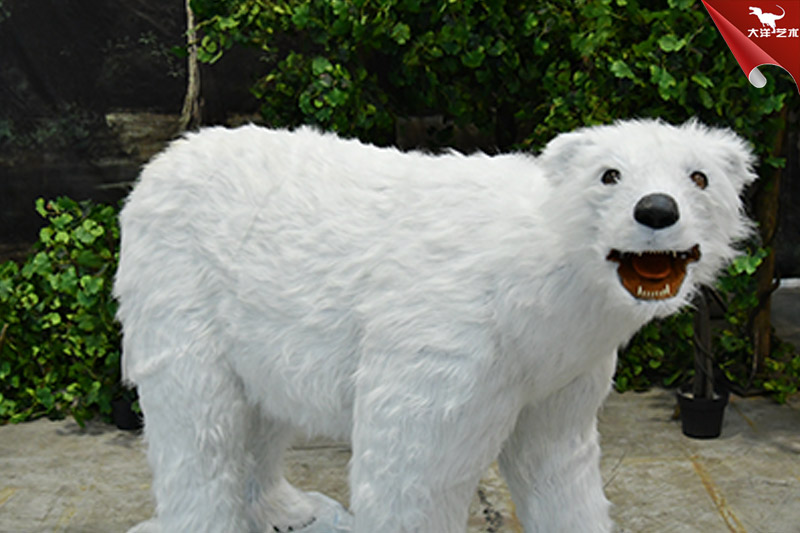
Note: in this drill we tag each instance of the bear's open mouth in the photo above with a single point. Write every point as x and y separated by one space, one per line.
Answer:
653 275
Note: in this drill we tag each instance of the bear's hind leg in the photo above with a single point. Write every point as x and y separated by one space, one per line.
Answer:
195 426
274 504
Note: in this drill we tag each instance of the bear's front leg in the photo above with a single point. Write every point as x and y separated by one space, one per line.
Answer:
422 438
551 462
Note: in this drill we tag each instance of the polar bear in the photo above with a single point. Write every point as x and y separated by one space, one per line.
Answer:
439 311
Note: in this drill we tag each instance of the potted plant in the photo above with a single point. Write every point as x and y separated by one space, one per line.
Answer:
702 401
125 412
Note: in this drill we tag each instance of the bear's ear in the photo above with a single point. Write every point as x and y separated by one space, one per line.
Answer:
562 153
734 153
739 157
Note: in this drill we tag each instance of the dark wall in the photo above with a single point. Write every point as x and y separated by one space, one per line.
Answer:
787 240
92 54
65 66
100 54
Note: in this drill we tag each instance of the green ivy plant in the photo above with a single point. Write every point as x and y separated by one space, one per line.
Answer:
781 374
660 354
520 72
733 344
59 342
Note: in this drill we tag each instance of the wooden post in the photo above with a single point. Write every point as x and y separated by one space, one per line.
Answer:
190 114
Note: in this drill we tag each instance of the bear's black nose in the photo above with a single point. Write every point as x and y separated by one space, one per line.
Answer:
656 210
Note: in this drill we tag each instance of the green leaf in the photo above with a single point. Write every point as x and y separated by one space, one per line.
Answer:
65 204
540 47
91 284
46 234
670 43
181 52
620 69
209 50
302 16
320 65
336 97
498 48
775 162
670 380
702 80
88 231
474 58
666 82
96 344
45 396
89 259
705 99
731 343
530 23
66 282
62 221
40 265
51 319
227 23
41 208
746 264
401 33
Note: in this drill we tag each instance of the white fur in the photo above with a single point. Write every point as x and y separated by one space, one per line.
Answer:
440 311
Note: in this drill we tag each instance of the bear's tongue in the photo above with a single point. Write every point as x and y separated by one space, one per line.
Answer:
652 266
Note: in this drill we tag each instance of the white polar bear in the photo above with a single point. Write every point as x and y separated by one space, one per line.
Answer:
440 311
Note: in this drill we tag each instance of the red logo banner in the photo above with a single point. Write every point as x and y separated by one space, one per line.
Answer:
760 33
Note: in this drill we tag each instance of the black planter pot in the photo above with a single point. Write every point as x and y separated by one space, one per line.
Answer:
123 415
701 418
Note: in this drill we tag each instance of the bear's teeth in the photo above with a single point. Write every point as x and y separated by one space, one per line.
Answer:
641 292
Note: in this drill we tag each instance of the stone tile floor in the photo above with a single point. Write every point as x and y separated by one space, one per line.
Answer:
55 476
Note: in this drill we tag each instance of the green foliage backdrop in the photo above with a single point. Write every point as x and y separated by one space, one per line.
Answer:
520 72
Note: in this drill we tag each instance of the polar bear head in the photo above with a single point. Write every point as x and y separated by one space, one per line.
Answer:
650 210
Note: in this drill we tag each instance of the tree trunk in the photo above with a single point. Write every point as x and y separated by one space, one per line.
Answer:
765 207
191 114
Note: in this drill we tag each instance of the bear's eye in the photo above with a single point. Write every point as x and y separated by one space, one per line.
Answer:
611 176
699 179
